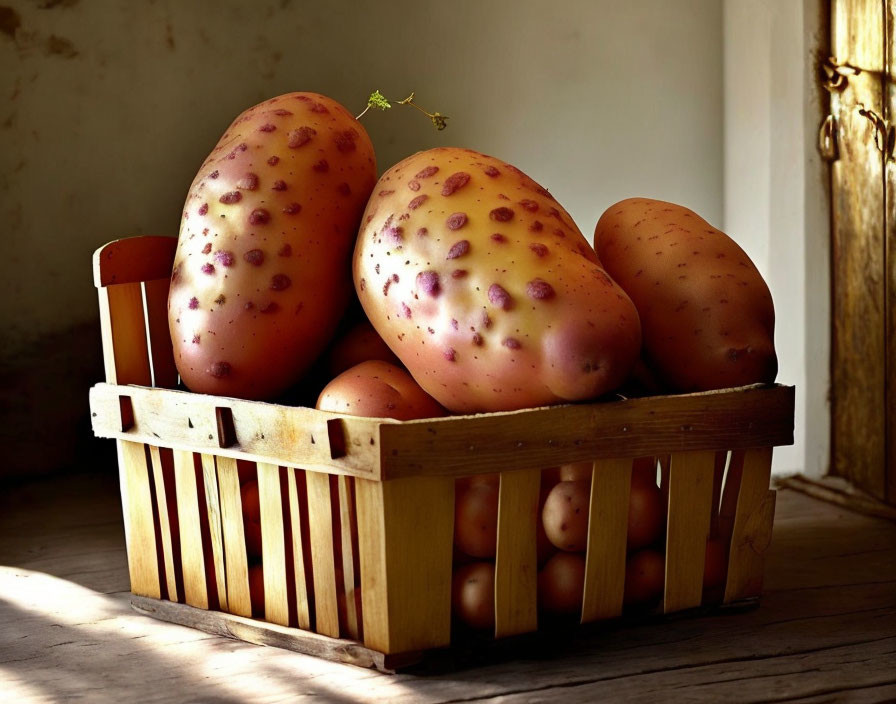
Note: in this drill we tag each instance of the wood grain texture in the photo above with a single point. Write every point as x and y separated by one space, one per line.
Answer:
290 436
607 531
139 530
236 564
459 445
516 562
158 475
192 557
859 304
123 330
545 437
320 522
752 531
161 352
215 528
273 548
349 528
687 528
134 259
298 550
405 536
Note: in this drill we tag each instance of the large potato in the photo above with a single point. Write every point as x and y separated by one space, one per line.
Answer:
261 274
706 314
486 290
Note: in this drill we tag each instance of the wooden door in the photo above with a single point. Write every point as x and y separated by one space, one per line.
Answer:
863 180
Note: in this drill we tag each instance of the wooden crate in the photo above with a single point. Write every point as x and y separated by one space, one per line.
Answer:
349 501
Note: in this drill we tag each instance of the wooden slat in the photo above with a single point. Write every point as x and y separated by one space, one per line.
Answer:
348 527
890 273
320 522
298 552
139 530
236 563
859 279
123 331
213 509
752 531
405 536
273 549
607 531
718 477
158 475
516 562
164 373
290 436
730 491
546 437
195 588
133 259
687 528
460 445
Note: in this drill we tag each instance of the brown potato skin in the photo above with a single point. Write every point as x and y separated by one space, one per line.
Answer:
377 389
707 316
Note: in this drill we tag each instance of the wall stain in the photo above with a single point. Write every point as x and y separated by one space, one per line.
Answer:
9 21
60 46
169 36
53 4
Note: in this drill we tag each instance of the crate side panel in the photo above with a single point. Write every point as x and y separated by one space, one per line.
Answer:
752 529
192 558
236 562
140 537
273 549
320 522
607 532
516 562
687 528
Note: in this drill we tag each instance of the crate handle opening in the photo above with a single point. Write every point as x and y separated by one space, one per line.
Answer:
336 436
126 411
226 428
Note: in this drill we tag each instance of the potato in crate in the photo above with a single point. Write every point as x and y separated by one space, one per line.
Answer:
355 516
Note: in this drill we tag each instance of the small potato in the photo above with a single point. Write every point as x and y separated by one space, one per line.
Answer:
473 594
544 548
256 590
359 344
565 515
476 519
576 472
646 515
645 577
493 479
644 471
561 583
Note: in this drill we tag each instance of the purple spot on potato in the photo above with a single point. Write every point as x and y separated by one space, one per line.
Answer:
427 172
539 249
422 232
213 174
279 185
319 108
255 257
321 167
502 214
285 250
459 274
345 140
499 297
536 226
491 171
540 290
267 127
196 339
281 112
456 221
219 370
394 233
224 258
414 185
259 216
405 310
477 339
529 205
455 182
203 209
292 209
274 160
280 282
458 249
498 237
220 299
486 320
194 303
428 282
511 343
450 354
300 137
231 197
208 268
417 202
207 248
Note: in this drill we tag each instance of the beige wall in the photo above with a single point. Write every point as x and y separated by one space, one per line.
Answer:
109 107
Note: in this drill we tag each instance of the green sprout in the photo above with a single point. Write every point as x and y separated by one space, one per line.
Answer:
379 101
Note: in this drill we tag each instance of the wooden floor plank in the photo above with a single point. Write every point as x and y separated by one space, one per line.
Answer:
826 629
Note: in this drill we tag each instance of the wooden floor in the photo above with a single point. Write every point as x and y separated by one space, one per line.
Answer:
826 629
